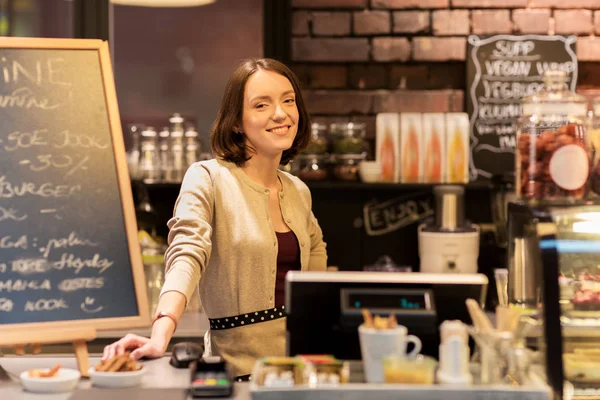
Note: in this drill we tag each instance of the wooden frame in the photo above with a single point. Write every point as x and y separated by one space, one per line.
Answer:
42 330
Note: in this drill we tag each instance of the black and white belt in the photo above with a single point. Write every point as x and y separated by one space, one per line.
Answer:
218 324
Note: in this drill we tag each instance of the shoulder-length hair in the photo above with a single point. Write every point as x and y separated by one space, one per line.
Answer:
231 146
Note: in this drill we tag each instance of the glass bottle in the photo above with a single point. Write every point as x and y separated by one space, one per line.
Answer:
553 154
149 163
164 155
133 154
177 148
192 146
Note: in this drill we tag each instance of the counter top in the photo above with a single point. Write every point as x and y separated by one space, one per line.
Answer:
161 381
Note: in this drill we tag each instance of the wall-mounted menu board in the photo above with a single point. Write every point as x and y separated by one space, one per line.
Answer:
501 70
69 254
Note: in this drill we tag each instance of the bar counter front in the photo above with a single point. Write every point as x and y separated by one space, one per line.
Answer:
161 381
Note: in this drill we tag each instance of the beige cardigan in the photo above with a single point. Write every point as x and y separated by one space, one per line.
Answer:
222 238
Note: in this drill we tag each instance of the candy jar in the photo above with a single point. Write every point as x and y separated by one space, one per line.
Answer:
553 155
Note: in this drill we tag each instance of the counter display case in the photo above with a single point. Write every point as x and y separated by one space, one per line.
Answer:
554 274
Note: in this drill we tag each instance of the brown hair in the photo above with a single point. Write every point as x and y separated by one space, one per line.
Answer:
231 146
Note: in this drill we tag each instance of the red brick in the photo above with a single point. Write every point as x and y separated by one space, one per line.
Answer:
302 72
588 48
300 23
531 21
369 76
597 22
330 3
418 101
439 49
491 21
588 74
331 23
489 3
371 22
451 22
428 76
338 102
391 49
410 21
334 50
593 4
397 4
573 21
328 77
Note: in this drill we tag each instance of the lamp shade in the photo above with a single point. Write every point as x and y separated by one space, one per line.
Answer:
162 3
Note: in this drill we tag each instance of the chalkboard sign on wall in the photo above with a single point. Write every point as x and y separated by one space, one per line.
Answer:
69 254
501 70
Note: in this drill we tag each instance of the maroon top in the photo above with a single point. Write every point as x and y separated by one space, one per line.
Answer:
288 259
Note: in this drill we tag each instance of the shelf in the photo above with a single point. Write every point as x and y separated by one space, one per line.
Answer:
344 185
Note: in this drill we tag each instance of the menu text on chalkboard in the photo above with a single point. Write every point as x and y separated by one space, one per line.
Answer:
68 242
501 70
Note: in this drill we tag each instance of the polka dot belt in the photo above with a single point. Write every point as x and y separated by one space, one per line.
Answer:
217 324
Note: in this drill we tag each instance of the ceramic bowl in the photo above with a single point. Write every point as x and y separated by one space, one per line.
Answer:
116 379
369 171
65 380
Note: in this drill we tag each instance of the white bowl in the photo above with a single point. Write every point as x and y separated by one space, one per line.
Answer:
65 380
116 379
369 171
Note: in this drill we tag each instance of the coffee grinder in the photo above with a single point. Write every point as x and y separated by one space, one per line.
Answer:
449 244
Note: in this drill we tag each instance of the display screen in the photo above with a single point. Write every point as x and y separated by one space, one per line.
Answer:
402 300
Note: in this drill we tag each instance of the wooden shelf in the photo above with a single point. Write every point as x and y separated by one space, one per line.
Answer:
345 185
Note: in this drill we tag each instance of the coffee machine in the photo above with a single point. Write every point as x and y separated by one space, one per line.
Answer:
449 244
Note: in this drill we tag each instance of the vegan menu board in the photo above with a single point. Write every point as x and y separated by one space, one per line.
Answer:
69 254
501 70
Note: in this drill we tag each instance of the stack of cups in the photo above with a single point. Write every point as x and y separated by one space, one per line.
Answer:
454 354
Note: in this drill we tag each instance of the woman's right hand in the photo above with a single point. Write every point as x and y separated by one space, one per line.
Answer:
139 346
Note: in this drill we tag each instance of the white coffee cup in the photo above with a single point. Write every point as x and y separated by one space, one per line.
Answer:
377 344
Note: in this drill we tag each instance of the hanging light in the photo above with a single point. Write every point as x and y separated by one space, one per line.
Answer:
163 3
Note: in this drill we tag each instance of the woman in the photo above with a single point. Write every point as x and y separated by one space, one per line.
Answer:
240 224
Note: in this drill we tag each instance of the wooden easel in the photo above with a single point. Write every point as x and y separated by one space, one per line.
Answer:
78 336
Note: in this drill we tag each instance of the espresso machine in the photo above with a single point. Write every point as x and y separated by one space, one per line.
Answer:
449 244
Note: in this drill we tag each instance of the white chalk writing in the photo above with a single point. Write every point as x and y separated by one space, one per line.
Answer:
9 190
6 305
68 260
71 285
46 305
71 241
19 285
11 214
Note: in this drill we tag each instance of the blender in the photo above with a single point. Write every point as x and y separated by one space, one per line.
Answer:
449 244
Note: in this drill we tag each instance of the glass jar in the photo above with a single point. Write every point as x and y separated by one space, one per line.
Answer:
553 153
312 167
348 137
318 140
347 166
594 138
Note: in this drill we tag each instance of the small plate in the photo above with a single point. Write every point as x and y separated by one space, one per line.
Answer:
116 379
65 380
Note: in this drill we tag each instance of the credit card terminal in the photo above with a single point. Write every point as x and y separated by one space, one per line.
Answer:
210 379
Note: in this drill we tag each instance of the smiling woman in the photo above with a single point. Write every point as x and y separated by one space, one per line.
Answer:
240 224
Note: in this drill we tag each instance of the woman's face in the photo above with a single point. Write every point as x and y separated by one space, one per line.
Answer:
270 115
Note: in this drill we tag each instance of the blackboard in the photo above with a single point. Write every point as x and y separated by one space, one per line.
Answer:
69 254
501 70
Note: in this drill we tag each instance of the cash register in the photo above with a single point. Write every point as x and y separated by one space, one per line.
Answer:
324 309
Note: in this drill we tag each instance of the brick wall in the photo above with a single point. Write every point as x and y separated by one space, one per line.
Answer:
356 58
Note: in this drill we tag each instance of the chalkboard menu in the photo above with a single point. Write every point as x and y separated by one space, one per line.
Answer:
501 70
69 254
